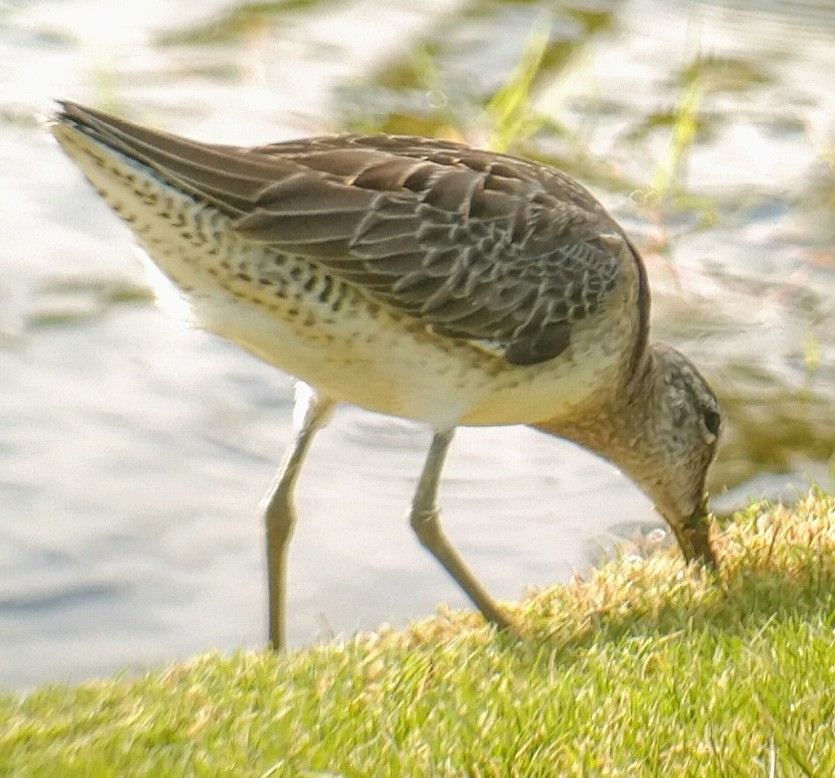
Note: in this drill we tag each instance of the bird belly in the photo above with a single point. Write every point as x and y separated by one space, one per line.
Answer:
367 355
291 313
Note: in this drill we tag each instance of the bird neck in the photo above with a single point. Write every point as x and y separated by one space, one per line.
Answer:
620 429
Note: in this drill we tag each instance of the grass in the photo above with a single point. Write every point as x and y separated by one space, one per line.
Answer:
643 668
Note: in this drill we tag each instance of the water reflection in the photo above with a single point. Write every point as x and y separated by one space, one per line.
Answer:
133 451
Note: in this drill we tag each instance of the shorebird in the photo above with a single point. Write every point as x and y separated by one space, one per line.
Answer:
422 279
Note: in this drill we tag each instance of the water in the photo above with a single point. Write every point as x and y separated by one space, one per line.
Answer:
134 451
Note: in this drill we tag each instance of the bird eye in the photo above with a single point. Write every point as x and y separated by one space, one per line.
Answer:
713 422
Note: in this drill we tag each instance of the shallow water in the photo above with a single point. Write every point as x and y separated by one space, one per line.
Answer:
134 451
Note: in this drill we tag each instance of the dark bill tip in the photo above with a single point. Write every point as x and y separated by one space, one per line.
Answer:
693 535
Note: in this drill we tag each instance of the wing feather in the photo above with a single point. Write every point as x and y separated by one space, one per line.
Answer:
477 245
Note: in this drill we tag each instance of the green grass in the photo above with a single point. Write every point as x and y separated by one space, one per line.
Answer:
643 668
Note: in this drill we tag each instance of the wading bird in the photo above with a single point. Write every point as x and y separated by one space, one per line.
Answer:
418 278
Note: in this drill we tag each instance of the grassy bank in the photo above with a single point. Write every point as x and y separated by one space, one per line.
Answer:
641 669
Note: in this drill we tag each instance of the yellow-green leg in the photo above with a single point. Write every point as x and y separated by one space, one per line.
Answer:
311 411
425 519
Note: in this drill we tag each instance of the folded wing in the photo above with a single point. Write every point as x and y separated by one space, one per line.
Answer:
478 246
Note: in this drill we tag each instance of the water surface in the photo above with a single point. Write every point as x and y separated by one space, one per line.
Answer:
134 450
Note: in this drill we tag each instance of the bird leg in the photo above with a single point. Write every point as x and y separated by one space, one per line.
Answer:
426 522
310 412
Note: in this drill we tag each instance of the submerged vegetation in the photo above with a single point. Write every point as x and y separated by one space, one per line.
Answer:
642 668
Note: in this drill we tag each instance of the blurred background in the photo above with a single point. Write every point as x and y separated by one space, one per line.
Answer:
134 450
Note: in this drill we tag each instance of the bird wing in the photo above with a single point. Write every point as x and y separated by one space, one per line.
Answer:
477 245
